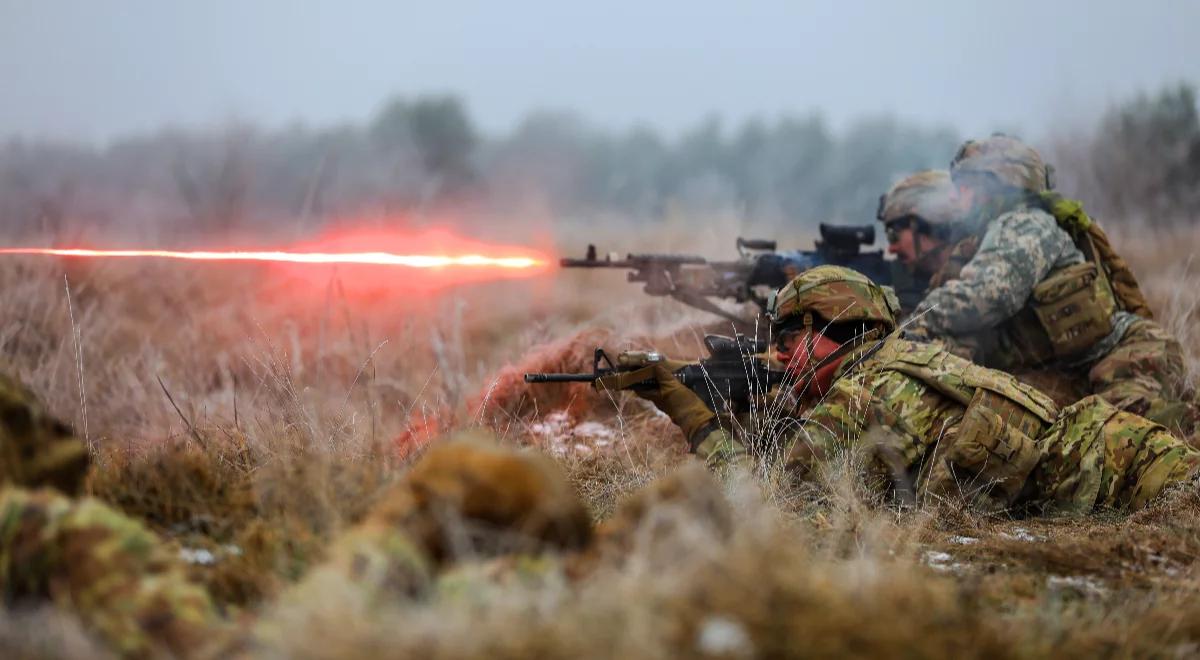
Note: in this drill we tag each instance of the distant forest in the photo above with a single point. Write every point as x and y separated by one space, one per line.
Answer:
423 156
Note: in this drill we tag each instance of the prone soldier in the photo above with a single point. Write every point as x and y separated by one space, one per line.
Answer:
935 424
123 583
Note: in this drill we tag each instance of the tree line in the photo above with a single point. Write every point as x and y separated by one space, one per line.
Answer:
421 156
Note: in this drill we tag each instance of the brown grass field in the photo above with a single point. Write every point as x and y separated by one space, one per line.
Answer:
255 417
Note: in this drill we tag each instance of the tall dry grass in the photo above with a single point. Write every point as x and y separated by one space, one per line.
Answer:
239 416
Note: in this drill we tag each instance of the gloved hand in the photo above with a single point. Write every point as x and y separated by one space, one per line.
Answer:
669 395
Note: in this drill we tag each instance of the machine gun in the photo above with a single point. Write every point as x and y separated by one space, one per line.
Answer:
759 270
726 381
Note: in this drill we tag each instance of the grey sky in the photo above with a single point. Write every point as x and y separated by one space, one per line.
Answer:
93 69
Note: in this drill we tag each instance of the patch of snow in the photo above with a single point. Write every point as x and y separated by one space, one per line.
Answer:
1022 534
1164 563
596 431
934 557
1087 586
721 636
964 540
199 556
943 562
562 438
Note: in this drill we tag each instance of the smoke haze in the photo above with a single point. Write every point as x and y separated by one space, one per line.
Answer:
76 69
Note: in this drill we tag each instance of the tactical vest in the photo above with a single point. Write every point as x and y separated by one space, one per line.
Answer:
1094 244
994 444
1073 307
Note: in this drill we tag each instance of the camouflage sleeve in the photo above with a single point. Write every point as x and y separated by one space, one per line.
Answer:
1018 251
719 449
830 427
122 582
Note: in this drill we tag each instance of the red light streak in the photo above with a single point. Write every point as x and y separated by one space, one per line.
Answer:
365 258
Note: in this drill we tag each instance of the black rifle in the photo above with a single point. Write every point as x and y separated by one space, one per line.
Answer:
759 270
726 381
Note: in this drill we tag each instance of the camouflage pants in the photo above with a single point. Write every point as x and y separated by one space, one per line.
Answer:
1144 374
116 576
1097 457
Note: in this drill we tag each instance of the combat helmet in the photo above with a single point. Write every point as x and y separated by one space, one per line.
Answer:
35 448
925 200
928 195
832 294
1012 162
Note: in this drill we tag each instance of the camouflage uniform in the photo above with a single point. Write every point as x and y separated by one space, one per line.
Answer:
117 577
987 297
125 585
937 425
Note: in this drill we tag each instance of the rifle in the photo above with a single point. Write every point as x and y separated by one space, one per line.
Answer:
727 381
759 270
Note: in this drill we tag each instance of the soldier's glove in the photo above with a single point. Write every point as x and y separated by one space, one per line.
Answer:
664 390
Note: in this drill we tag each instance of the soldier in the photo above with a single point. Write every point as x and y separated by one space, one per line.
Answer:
934 423
921 217
1031 285
125 585
918 214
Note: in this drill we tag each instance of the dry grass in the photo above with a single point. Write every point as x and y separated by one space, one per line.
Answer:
284 414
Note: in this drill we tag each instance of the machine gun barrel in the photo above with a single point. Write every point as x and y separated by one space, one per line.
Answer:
760 269
634 261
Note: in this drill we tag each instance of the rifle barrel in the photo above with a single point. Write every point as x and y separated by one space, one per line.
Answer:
559 378
594 263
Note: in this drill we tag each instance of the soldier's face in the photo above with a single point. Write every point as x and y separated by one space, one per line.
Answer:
968 196
803 352
915 250
902 242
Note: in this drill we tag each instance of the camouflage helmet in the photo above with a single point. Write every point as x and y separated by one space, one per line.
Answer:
35 448
836 294
1010 161
928 195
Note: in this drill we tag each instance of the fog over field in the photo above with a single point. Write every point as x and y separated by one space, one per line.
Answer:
82 70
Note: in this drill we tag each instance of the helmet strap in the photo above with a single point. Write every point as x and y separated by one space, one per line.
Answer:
874 334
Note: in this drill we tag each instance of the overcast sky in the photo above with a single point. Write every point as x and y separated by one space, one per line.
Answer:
94 69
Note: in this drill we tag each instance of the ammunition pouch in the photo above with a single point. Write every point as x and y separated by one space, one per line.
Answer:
1066 315
994 451
1090 238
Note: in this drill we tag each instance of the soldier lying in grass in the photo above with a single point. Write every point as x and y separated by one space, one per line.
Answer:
935 424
